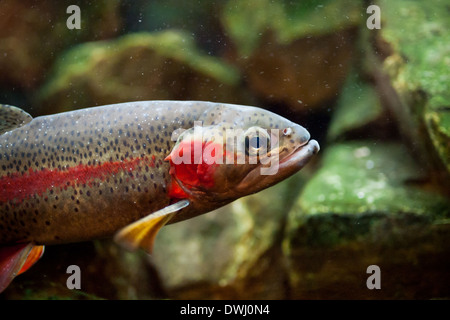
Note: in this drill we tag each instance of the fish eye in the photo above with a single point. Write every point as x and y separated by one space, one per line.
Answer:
256 139
254 143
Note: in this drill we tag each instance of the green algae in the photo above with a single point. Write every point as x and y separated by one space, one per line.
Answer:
418 35
92 69
248 21
358 106
369 177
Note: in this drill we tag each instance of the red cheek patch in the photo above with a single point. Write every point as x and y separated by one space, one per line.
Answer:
194 164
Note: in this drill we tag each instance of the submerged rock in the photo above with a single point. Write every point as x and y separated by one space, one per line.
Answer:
359 113
294 53
141 66
369 204
417 65
198 18
34 33
383 178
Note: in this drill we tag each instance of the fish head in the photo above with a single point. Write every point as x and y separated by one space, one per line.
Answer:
233 151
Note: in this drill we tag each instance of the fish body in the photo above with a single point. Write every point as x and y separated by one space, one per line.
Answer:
90 173
85 174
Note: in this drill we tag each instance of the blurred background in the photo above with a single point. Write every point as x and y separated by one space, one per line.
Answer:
377 100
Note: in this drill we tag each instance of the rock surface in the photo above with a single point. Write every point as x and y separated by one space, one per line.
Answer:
293 53
34 33
163 65
381 212
418 66
359 112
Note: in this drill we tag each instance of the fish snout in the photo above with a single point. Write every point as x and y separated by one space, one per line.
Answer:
296 135
314 146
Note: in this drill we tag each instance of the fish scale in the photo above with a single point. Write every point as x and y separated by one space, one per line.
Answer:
99 143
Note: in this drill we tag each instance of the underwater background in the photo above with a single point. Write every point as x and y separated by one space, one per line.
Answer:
377 100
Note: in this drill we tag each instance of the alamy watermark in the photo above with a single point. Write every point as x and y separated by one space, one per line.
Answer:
74 20
373 281
374 21
74 281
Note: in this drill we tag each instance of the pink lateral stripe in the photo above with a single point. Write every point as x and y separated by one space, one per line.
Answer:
20 186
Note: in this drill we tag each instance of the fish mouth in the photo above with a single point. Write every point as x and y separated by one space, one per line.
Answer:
286 167
300 156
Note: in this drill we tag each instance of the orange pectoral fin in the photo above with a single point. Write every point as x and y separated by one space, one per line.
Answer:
34 255
142 233
17 259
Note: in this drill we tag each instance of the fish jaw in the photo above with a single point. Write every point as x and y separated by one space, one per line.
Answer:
300 157
287 166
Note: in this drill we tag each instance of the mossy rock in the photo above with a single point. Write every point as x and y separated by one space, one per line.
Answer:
293 53
369 176
247 21
32 34
359 112
418 65
369 204
162 65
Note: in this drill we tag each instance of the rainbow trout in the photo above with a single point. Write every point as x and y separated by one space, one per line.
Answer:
125 170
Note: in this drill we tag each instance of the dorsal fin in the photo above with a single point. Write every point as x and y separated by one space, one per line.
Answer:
12 117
